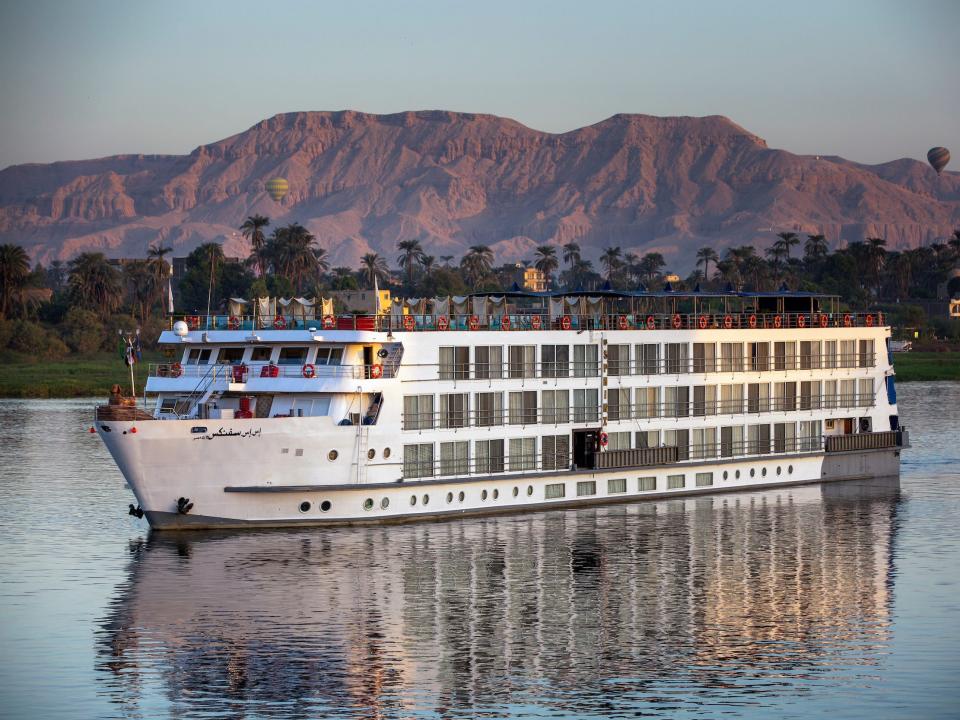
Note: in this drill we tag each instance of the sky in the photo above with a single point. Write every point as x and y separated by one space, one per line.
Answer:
871 80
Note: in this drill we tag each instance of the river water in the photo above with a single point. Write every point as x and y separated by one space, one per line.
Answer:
839 601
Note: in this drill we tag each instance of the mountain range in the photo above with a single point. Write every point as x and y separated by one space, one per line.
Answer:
363 182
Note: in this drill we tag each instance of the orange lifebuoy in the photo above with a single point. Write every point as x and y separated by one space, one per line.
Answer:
443 323
176 370
752 321
847 321
279 323
193 322
676 322
727 322
376 371
329 322
233 322
622 322
777 321
702 322
603 439
565 322
505 322
535 322
409 322
869 320
308 371
474 322
823 320
801 321
651 323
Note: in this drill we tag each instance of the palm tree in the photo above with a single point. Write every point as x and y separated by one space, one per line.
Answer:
411 252
611 261
547 262
446 260
291 253
815 248
428 263
651 267
877 254
788 240
705 256
141 284
14 269
571 254
252 229
477 263
94 283
374 267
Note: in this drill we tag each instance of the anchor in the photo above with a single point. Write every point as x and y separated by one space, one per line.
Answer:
184 505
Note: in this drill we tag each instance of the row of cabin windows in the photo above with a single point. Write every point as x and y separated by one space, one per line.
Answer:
725 441
520 361
554 407
283 356
489 456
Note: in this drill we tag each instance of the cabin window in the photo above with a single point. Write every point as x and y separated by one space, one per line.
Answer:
489 456
809 438
261 354
704 400
647 438
556 407
848 393
704 479
523 453
648 358
618 360
453 410
760 356
454 363
585 361
523 408
810 395
586 405
704 357
677 399
488 361
647 402
784 356
645 484
830 394
731 357
489 408
231 356
784 437
809 355
522 361
454 458
618 441
848 353
866 353
704 443
731 399
554 491
677 357
618 404
758 439
555 452
785 396
329 356
758 397
555 360
865 396
196 356
292 356
675 482
731 440
679 439
616 485
418 460
830 354
586 487
417 412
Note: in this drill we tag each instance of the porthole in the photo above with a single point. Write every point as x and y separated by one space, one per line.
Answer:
385 503
516 491
763 472
496 493
483 495
779 470
413 500
386 453
789 469
461 496
332 455
529 490
753 471
737 474
449 497
725 475
305 506
426 499
371 454
368 504
325 506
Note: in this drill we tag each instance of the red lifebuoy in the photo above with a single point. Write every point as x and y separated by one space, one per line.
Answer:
752 321
801 321
193 322
702 322
443 323
474 322
329 322
409 322
308 371
505 322
651 322
233 322
279 323
823 320
727 322
676 322
869 320
565 322
603 439
622 322
535 322
176 370
777 321
847 320
376 371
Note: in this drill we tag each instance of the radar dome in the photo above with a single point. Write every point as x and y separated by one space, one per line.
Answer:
180 328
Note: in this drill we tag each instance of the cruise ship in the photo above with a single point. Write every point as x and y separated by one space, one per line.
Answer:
502 402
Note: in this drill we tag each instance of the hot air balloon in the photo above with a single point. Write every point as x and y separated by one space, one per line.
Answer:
278 188
938 158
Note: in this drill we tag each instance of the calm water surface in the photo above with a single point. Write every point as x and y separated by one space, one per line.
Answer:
838 601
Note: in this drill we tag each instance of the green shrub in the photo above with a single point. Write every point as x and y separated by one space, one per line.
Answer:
83 331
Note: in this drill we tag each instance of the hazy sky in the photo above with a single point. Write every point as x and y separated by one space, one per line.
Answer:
872 80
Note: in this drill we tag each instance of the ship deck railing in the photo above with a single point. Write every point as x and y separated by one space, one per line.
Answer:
244 372
527 321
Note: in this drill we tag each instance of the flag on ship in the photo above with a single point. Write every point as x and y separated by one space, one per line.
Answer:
169 297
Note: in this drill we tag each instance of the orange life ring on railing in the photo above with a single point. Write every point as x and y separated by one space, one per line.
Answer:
443 323
329 322
176 370
727 322
505 322
309 371
603 439
702 322
409 322
279 323
869 320
823 320
676 322
535 322
847 320
474 322
801 321
752 321
233 322
193 322
565 322
777 321
651 322
376 371
622 322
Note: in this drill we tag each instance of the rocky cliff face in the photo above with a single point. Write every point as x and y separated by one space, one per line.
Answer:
364 182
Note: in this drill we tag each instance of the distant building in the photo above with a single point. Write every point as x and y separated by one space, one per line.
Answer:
360 301
955 308
534 279
671 277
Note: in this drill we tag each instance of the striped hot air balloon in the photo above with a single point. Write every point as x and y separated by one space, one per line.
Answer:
938 158
278 188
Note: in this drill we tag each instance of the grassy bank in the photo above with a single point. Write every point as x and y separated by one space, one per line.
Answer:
83 376
912 366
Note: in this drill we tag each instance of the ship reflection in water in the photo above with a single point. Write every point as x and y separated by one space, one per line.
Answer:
688 607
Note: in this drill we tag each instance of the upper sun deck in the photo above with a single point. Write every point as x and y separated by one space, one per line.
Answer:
519 310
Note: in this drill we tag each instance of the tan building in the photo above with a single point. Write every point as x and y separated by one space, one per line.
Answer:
360 301
534 279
